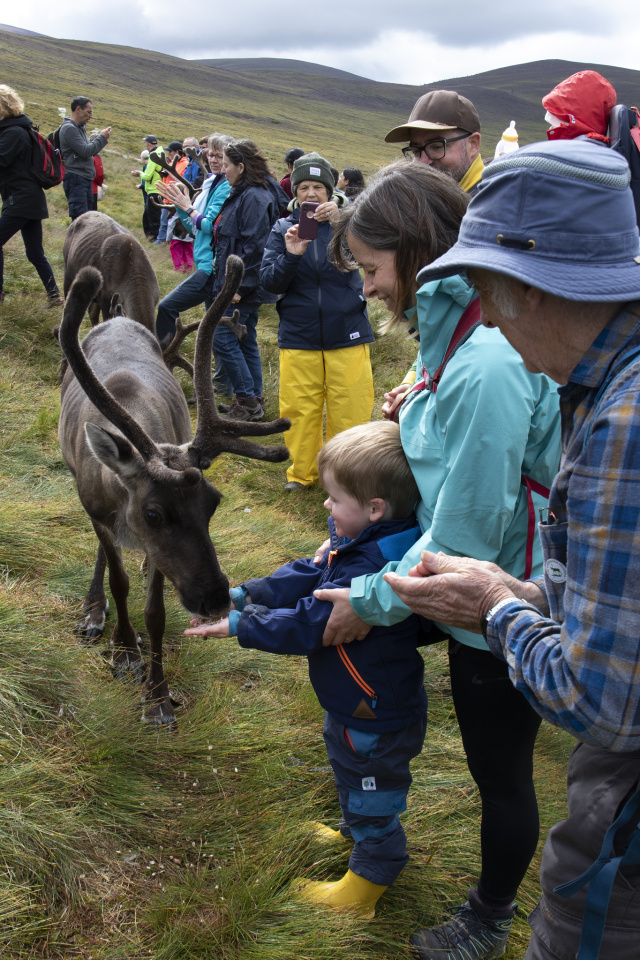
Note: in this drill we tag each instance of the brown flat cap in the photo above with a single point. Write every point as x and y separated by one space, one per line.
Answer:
439 110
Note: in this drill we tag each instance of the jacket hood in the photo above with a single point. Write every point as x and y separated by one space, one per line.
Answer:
583 102
22 120
373 533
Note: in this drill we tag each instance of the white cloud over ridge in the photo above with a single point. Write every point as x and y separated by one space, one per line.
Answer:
421 42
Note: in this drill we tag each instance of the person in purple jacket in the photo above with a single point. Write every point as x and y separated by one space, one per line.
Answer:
373 695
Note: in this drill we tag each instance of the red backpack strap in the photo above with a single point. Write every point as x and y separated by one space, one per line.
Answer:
532 487
469 320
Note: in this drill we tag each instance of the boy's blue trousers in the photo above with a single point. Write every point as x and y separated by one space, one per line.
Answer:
373 778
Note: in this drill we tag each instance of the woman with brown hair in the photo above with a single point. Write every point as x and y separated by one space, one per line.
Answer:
481 434
254 203
23 202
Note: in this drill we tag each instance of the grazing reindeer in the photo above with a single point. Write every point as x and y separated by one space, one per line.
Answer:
96 240
125 434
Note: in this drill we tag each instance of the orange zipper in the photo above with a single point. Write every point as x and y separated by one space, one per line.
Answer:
354 673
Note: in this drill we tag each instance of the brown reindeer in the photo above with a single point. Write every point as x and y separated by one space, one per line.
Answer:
96 240
125 434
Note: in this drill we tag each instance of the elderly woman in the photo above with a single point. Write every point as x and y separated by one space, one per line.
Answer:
23 202
324 332
482 436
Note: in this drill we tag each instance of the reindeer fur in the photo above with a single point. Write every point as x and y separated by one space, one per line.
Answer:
96 240
125 433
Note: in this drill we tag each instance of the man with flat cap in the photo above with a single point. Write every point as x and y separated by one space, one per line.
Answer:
444 130
551 244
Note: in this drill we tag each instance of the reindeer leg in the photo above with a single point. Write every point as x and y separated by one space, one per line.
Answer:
126 659
94 313
158 710
95 608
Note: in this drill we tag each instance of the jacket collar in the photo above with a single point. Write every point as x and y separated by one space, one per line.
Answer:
617 336
439 306
370 534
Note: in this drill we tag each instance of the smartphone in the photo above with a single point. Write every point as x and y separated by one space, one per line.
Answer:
307 227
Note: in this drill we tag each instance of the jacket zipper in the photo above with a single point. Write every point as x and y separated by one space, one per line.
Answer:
315 254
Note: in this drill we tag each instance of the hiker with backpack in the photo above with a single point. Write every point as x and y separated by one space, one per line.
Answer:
482 436
23 201
77 155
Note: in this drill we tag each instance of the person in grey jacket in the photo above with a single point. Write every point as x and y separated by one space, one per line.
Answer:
77 155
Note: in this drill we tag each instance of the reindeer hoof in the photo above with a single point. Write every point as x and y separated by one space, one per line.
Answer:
159 716
125 667
89 633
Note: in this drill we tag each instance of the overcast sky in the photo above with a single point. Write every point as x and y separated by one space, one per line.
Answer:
420 42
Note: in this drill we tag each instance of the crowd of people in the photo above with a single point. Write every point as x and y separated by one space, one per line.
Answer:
522 280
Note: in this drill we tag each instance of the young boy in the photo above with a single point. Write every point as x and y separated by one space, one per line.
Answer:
372 691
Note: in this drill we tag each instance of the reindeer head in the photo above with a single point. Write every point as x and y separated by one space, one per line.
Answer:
168 503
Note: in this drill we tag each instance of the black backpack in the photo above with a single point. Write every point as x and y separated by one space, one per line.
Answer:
45 161
624 133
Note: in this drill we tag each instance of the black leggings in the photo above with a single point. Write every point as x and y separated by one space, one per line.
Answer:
498 729
31 231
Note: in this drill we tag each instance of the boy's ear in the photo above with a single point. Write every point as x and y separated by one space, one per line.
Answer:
378 509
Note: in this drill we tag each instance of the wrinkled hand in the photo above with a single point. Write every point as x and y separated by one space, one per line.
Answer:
175 193
393 399
293 244
318 556
326 211
343 626
458 591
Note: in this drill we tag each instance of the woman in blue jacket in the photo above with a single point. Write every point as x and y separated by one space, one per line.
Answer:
482 436
254 203
324 331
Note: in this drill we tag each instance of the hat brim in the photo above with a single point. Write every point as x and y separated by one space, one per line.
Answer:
400 134
585 282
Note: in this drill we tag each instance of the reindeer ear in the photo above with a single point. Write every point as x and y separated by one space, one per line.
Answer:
114 451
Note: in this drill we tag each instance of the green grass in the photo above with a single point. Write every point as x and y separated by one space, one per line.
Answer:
116 842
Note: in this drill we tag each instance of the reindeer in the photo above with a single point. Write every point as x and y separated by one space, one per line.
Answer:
162 161
96 240
125 434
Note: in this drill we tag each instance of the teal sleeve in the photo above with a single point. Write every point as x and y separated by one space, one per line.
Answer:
234 619
186 220
238 597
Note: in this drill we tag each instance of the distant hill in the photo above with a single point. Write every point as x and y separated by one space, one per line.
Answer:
24 33
270 64
279 104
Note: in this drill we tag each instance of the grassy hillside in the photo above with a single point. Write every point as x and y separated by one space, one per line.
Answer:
117 843
140 91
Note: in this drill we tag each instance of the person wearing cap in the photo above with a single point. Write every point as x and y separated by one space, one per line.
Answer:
324 331
444 130
150 176
77 155
551 244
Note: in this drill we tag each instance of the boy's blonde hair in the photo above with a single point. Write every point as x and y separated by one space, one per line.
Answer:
10 103
368 462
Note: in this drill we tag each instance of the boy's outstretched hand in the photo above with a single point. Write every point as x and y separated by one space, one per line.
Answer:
219 629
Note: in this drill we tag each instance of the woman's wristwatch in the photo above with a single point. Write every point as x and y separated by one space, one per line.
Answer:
490 614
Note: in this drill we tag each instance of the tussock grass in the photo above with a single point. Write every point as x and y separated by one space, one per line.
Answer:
118 842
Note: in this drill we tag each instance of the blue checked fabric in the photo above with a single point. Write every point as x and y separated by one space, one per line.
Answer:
580 668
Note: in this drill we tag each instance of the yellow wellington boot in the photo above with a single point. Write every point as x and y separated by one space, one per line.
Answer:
352 893
326 835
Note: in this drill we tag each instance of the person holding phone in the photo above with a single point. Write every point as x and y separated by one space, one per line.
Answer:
324 332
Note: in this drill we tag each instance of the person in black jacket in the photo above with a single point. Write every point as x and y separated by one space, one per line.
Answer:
254 203
373 693
324 331
23 203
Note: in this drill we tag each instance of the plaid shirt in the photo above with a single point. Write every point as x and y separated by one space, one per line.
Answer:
580 669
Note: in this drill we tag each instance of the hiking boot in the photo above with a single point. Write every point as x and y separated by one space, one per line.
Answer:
467 936
294 485
55 301
244 408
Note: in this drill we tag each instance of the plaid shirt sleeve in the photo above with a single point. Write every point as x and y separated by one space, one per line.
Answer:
581 669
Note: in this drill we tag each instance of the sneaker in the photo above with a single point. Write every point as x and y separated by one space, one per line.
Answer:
467 936
56 301
247 408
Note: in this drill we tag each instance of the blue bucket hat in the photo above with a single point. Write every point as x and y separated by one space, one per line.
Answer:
559 216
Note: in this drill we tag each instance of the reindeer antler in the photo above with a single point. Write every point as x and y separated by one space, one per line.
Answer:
215 435
171 354
196 155
84 289
161 160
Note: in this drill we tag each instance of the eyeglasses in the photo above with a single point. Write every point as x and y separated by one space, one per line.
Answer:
434 149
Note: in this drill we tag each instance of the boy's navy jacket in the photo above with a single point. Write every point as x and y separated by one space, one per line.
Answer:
322 309
375 684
